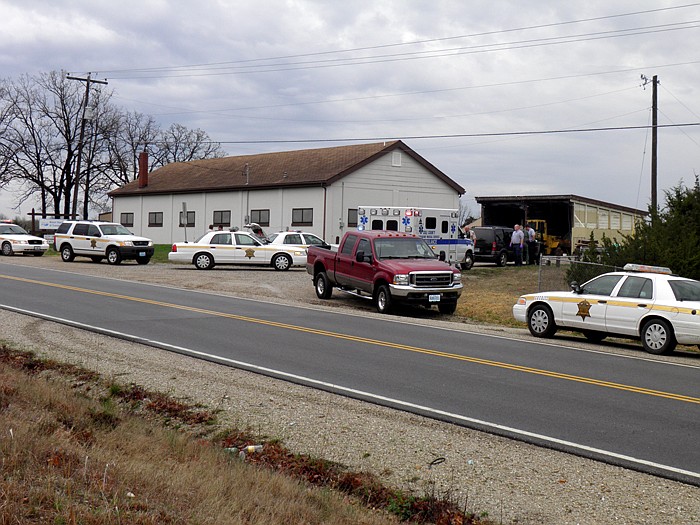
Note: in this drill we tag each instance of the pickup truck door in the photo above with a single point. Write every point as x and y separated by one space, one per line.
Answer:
364 271
345 260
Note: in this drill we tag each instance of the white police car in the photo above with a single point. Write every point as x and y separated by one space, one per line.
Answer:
642 302
236 248
14 239
297 238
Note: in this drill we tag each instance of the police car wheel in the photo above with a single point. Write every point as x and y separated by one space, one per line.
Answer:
281 262
6 248
204 261
67 254
383 299
113 256
657 337
540 321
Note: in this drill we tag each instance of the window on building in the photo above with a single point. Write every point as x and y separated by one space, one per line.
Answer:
190 219
302 217
262 217
127 219
155 219
222 218
352 218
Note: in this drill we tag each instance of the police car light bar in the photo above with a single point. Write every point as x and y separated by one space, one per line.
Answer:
629 267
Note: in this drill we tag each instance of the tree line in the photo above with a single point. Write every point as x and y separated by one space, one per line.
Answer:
40 130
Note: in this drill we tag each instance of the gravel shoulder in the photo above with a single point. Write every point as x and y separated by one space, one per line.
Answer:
513 482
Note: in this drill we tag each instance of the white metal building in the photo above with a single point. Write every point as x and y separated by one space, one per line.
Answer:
316 190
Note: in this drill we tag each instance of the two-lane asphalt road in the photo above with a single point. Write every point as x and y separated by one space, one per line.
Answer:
633 412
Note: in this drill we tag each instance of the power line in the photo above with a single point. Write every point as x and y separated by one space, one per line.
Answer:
393 45
458 135
418 55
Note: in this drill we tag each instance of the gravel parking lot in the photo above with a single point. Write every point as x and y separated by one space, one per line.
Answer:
511 481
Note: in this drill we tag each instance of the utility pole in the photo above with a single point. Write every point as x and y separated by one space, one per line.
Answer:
88 80
654 131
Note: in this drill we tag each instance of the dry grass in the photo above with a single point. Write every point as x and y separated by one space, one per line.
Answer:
490 293
76 449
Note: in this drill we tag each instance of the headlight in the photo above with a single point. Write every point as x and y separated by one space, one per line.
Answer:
401 279
457 277
522 301
20 241
127 243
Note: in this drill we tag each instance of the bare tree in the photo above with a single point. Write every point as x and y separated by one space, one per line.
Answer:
180 144
40 120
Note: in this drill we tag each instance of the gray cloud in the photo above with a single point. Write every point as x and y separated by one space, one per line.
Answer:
500 81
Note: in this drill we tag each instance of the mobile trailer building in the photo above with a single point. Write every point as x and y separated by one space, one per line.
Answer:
568 217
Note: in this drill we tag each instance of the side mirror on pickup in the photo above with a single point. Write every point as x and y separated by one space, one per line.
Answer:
443 255
361 257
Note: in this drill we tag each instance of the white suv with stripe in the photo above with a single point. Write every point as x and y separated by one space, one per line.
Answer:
101 240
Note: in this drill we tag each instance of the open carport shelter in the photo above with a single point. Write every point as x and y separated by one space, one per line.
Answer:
568 216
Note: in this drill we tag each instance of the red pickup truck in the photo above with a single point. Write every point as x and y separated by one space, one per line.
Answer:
388 267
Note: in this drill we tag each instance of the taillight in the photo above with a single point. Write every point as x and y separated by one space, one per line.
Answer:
493 246
174 248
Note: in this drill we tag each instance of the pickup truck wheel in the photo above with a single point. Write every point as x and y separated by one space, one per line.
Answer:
540 321
383 299
657 337
323 286
203 261
281 262
113 256
447 309
467 263
67 254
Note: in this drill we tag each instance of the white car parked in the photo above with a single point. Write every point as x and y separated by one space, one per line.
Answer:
643 302
15 239
222 247
298 238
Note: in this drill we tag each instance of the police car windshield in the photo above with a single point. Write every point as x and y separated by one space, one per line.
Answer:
114 229
402 248
12 229
685 290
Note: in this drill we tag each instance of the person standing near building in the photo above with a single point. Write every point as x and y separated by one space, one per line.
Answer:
531 244
516 242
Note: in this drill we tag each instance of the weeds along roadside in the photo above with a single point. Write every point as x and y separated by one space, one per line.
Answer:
78 446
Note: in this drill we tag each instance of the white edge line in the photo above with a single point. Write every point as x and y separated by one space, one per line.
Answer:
369 395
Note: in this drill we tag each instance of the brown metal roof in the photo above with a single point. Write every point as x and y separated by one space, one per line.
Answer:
310 167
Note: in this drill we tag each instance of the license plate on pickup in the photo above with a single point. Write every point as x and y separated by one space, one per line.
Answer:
142 254
434 298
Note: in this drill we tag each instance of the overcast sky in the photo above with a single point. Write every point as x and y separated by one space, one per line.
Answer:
471 85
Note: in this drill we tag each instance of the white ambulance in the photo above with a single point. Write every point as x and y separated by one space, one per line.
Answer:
438 227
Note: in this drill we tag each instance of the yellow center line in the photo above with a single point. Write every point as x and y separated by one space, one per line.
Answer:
375 342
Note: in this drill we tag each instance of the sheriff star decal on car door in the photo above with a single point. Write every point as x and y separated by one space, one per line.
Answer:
583 309
250 253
